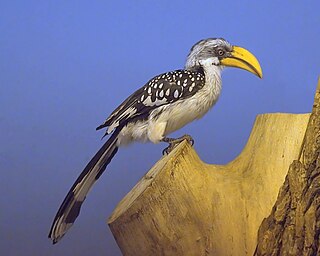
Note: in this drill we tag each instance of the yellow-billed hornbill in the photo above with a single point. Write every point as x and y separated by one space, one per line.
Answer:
163 105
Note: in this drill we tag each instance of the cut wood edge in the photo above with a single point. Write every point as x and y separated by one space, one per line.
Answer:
292 228
180 151
230 194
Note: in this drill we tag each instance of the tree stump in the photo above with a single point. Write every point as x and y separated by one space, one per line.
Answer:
184 206
293 227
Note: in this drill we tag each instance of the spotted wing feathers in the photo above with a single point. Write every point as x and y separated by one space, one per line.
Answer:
163 89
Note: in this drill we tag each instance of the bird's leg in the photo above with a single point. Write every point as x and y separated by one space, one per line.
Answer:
174 142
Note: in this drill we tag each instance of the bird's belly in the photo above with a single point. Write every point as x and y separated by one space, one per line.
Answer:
182 113
178 119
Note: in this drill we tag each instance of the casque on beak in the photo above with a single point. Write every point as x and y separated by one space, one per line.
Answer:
242 58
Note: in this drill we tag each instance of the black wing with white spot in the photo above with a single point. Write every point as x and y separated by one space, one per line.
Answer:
163 89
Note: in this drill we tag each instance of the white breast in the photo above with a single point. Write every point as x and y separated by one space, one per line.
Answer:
169 118
182 112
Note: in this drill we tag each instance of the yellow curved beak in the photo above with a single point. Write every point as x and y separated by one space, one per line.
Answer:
242 58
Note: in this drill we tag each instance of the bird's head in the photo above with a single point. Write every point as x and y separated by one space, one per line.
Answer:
220 53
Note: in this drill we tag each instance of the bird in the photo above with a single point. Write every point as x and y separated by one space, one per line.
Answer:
166 103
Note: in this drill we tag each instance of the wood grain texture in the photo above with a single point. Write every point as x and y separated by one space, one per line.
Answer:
293 227
184 206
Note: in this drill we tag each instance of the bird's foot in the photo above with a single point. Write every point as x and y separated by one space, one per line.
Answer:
174 142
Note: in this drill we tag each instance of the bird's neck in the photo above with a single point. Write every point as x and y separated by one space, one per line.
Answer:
212 75
213 83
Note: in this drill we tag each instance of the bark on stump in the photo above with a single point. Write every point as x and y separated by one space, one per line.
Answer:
293 227
184 206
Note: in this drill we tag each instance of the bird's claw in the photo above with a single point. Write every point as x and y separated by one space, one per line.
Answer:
174 142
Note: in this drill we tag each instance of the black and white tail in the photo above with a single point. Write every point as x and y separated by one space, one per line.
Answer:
70 207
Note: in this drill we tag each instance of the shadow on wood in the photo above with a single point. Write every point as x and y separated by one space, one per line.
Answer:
184 206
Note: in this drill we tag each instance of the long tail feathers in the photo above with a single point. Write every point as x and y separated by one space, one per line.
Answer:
70 207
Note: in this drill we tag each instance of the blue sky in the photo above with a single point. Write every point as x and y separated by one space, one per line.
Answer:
65 65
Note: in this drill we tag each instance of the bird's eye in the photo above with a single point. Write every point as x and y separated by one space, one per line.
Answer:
220 52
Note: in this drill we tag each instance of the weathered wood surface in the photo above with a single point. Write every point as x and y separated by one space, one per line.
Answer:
184 206
293 227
